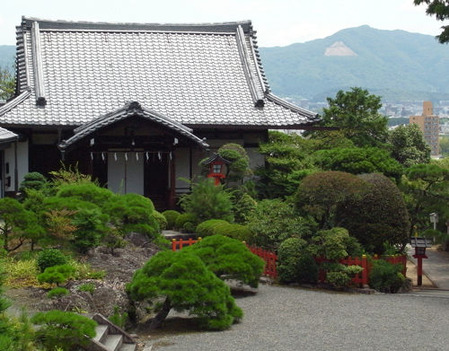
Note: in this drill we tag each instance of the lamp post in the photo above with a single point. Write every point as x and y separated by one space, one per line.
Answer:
434 219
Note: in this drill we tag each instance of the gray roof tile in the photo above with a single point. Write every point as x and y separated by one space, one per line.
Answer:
192 74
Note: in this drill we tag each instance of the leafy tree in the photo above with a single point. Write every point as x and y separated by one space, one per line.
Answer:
286 163
7 83
439 8
208 201
229 259
377 217
425 189
238 167
275 220
356 114
408 145
182 281
133 212
295 262
320 194
17 224
63 330
359 160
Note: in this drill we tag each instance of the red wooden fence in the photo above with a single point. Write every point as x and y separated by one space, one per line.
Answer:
270 259
362 278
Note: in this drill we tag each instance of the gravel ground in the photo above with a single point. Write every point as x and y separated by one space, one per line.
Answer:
283 318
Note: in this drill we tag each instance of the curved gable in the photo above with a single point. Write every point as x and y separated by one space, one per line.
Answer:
131 109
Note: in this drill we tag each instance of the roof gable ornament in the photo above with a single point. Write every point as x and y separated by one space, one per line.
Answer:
37 65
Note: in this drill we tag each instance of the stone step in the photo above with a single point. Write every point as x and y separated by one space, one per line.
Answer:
102 332
128 347
113 342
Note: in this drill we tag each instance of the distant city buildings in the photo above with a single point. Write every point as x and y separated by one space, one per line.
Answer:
430 126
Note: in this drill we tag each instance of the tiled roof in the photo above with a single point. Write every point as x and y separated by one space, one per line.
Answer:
70 73
130 109
7 136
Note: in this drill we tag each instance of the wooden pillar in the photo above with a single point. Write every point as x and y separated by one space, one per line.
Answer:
172 192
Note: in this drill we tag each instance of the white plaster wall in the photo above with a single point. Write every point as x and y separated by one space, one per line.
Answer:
22 163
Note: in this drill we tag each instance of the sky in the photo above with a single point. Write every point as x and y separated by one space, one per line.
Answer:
277 22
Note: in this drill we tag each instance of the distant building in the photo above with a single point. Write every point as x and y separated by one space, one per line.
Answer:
430 126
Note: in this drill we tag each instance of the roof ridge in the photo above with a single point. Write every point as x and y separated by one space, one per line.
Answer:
15 101
277 100
130 26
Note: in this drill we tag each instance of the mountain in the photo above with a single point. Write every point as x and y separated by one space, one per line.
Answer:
7 54
398 65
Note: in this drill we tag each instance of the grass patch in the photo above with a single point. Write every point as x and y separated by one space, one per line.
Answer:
20 274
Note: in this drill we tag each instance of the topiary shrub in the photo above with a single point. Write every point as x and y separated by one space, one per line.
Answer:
133 213
208 228
49 258
63 330
233 230
57 292
57 274
186 222
386 277
170 216
295 263
33 180
229 259
182 281
160 219
379 216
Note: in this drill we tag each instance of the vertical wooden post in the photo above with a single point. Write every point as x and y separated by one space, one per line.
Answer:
419 270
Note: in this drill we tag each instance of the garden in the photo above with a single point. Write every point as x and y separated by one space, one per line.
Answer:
351 190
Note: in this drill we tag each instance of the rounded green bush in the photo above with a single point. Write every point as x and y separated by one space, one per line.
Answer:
49 258
386 277
170 216
57 292
160 219
295 263
234 231
208 228
183 219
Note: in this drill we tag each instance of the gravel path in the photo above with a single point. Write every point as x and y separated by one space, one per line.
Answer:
282 318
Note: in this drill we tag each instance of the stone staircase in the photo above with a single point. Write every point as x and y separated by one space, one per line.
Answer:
110 337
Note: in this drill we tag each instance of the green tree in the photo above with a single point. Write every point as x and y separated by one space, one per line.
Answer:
425 189
320 194
208 201
333 245
408 145
356 114
17 224
286 163
229 259
275 220
439 8
377 217
238 167
63 330
359 160
7 83
182 281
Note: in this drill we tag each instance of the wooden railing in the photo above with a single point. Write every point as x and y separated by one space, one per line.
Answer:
270 258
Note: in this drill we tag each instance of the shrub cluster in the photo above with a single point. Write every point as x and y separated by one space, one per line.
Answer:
386 277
